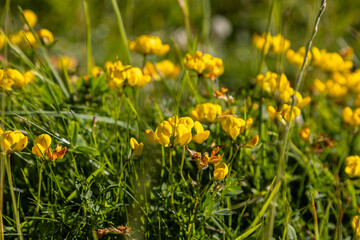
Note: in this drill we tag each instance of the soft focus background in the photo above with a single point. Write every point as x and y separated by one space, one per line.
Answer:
232 24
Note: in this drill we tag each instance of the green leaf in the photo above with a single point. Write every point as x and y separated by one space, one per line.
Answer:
222 211
248 232
73 131
87 150
291 232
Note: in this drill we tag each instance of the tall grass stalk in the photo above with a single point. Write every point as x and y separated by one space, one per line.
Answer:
125 56
88 37
184 5
13 197
283 157
39 186
3 157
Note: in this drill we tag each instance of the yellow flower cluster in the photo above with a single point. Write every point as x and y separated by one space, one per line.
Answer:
233 125
340 84
165 68
297 58
12 77
25 37
352 166
146 44
279 86
29 40
119 75
277 43
284 113
12 141
42 148
329 61
351 117
206 112
220 168
177 131
204 64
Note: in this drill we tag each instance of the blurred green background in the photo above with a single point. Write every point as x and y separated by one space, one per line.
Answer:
223 28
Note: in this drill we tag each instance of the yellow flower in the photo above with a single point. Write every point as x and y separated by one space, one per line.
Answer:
335 90
356 225
331 62
168 69
279 44
252 142
150 69
302 102
194 62
287 114
57 154
305 133
2 40
42 143
46 36
178 129
273 114
319 85
118 73
221 170
297 58
201 135
146 44
136 147
182 135
276 84
206 160
28 77
150 135
17 37
30 17
210 67
206 112
12 141
351 117
165 68
352 166
67 62
259 40
13 76
347 53
353 81
29 39
96 71
135 77
233 126
214 67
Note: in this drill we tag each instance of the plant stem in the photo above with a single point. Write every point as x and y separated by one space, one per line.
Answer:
39 187
123 42
171 176
88 37
121 174
182 165
2 173
13 198
282 160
